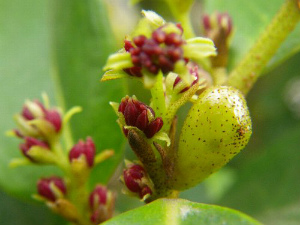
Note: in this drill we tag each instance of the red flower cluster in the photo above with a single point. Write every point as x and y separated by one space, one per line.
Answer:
133 179
160 52
136 114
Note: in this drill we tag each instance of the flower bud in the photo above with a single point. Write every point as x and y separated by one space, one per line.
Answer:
179 84
53 117
217 21
36 120
30 143
51 188
101 203
136 180
139 115
86 149
218 27
33 109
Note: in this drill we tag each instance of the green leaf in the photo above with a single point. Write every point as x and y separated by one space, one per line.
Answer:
64 57
179 211
81 44
14 212
250 18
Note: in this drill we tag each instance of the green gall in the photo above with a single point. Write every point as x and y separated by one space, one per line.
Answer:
218 126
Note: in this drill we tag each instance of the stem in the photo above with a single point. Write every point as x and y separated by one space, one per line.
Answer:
67 134
62 160
183 17
247 72
158 96
186 23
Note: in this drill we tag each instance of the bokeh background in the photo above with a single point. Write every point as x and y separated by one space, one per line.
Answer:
60 47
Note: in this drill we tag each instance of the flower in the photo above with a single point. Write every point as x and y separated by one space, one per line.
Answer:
136 180
36 120
86 149
101 202
139 115
156 47
31 143
216 21
51 188
159 52
218 27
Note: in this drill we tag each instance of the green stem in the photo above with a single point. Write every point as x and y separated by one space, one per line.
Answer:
67 134
247 72
186 23
182 14
62 160
158 96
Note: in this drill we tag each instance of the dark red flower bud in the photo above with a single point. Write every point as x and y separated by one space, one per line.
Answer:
31 142
136 114
101 203
54 118
136 180
98 196
133 176
45 190
30 114
153 127
128 45
139 40
84 148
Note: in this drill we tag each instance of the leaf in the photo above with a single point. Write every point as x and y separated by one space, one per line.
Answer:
81 44
26 213
79 40
179 211
250 18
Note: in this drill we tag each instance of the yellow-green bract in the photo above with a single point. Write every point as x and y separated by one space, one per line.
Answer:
218 126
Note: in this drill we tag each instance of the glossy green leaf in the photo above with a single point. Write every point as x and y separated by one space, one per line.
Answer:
250 18
179 211
59 48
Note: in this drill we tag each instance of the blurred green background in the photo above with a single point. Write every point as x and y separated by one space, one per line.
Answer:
60 47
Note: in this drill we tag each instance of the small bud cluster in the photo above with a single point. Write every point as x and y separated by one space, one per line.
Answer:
194 72
36 126
83 149
139 115
160 52
136 180
31 142
51 188
101 203
36 110
217 21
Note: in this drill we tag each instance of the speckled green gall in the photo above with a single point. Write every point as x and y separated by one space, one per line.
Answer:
217 127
